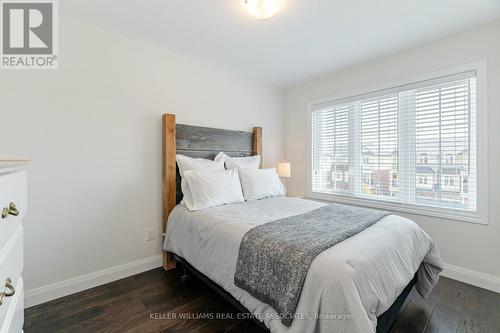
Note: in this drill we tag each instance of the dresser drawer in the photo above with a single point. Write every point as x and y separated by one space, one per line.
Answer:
11 267
14 320
12 190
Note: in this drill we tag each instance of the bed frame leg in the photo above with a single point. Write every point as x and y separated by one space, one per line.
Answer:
185 277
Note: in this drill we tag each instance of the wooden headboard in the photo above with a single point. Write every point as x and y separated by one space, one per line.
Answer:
198 142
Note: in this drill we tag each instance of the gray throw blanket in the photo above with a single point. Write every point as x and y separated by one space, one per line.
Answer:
274 257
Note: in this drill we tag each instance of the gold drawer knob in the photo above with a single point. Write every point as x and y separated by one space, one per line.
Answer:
8 291
9 288
11 210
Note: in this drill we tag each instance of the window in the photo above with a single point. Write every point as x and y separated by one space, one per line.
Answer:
423 158
379 143
331 148
411 146
450 181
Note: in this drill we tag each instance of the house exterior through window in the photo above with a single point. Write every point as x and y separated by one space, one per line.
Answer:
413 145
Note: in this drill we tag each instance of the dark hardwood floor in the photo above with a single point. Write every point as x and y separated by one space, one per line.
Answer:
157 301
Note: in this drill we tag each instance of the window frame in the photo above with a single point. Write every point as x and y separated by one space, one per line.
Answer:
481 214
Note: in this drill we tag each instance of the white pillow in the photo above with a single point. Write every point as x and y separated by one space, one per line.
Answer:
261 183
186 163
242 162
209 188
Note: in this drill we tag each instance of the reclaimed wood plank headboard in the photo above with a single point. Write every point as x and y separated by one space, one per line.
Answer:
198 142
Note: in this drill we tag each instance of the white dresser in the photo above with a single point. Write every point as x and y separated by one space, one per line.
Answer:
13 207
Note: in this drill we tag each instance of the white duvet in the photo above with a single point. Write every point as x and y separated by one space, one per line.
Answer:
347 286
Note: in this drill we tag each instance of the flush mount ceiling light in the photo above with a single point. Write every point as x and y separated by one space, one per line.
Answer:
263 9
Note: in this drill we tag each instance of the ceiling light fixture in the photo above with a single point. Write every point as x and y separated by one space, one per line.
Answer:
263 9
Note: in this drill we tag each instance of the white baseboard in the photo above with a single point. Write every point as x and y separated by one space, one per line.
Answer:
63 288
474 278
83 282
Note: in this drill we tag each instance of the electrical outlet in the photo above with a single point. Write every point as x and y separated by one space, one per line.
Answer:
150 234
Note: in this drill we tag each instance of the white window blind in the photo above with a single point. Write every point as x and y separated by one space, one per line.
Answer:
330 152
412 145
379 145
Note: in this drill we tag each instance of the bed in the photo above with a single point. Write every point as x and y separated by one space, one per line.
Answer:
358 285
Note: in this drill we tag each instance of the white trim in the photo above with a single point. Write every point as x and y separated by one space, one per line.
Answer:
79 283
435 78
396 207
481 216
474 278
63 288
479 66
482 140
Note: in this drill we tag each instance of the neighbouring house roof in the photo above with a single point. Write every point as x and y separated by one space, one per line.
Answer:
341 167
424 169
450 171
444 171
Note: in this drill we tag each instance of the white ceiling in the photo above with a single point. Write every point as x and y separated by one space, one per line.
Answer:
308 38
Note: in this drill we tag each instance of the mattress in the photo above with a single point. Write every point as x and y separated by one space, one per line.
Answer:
346 287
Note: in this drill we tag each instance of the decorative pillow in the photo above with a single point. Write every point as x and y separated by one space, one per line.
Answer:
261 183
252 162
213 188
187 163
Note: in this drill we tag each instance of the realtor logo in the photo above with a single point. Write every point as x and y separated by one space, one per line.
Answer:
29 34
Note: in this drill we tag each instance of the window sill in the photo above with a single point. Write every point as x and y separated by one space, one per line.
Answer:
423 211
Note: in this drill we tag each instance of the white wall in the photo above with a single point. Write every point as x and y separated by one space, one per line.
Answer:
469 246
93 131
